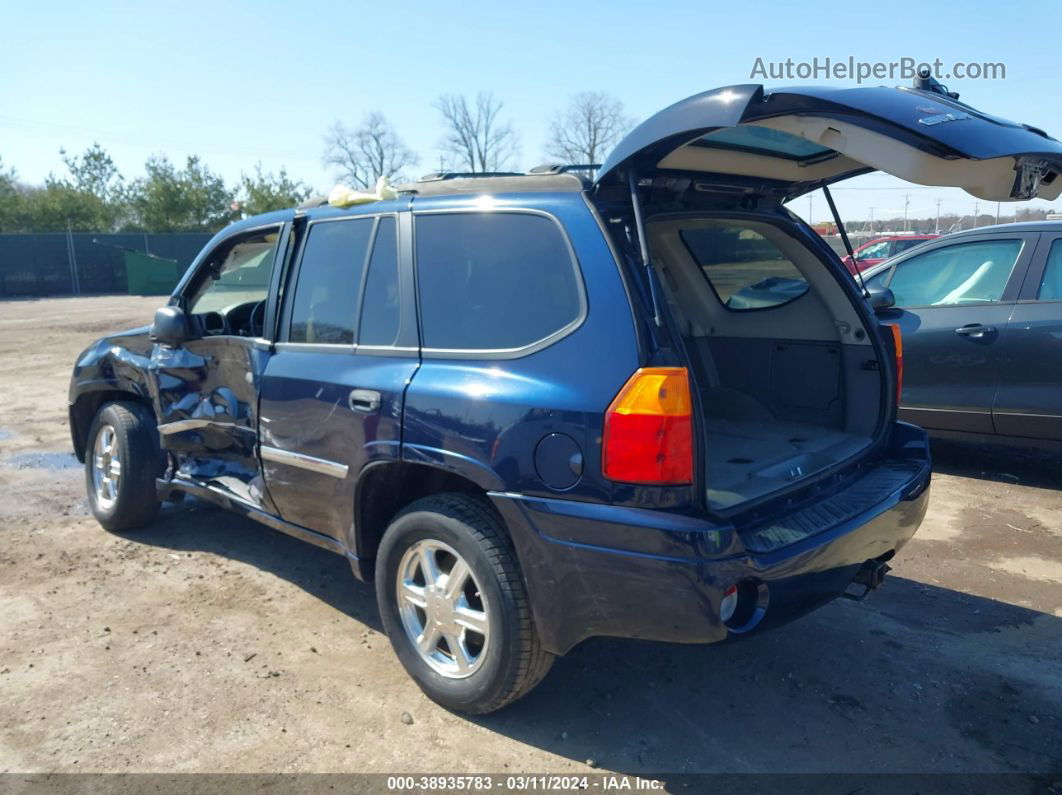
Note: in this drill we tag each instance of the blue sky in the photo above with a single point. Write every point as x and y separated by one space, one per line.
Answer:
242 82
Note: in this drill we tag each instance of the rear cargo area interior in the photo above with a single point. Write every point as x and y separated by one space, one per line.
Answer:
787 377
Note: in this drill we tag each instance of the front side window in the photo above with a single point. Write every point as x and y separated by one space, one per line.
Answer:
493 280
746 270
237 274
1051 284
964 273
325 302
879 250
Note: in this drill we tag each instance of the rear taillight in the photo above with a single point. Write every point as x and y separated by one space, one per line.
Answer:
649 429
897 346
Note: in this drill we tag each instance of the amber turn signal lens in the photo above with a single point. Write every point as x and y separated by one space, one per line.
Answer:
648 436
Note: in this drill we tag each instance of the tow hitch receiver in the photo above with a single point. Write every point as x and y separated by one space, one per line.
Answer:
871 575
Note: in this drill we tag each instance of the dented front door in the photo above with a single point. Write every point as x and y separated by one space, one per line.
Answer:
208 406
206 389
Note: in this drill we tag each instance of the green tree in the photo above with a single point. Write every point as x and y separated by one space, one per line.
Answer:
10 199
264 192
88 199
94 172
58 206
168 199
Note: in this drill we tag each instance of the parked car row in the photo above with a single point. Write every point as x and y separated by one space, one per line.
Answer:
880 249
535 408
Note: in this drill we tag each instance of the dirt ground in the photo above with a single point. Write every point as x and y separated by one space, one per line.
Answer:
210 643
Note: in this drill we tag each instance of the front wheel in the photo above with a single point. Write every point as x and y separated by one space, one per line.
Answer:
122 460
454 605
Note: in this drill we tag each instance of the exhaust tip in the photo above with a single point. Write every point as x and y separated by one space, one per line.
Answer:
744 605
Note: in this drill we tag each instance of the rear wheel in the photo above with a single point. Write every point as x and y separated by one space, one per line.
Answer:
122 460
454 605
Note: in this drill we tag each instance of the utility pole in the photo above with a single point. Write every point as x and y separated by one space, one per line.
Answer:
906 204
871 222
997 212
810 197
936 227
977 209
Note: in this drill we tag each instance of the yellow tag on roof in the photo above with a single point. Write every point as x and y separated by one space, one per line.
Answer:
343 196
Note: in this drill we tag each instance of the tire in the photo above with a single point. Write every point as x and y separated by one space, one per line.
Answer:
510 662
130 500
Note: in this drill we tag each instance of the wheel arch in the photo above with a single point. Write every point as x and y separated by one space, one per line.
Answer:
386 487
88 402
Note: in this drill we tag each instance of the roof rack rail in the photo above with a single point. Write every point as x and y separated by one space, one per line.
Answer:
564 168
439 175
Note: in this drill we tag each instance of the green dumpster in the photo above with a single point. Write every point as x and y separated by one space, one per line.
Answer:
147 274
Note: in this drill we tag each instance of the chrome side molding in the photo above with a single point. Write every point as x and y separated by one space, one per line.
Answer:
319 465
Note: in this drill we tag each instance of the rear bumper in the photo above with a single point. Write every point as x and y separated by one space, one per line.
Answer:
608 570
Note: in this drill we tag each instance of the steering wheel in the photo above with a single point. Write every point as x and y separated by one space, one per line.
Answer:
254 326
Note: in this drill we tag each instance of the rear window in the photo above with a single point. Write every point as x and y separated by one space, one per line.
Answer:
746 270
493 280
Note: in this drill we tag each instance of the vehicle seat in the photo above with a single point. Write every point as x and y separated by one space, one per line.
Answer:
968 284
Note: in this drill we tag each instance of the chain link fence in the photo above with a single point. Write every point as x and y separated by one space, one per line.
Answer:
67 263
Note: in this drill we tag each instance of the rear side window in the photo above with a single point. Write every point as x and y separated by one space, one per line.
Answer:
379 308
965 273
1051 284
493 280
903 245
326 296
746 270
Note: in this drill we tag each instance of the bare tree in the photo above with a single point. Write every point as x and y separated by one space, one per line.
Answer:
587 130
476 139
364 154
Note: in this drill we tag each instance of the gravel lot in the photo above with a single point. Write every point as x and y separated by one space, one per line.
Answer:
210 643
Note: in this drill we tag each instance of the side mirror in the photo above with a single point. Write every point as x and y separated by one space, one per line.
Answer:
170 326
880 298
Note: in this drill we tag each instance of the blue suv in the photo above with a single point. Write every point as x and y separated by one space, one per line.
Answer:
536 408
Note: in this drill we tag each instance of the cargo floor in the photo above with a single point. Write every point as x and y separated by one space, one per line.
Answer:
751 458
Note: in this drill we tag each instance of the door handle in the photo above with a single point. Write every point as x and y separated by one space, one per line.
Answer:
364 400
975 330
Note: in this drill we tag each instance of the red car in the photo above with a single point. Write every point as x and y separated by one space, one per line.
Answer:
881 248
